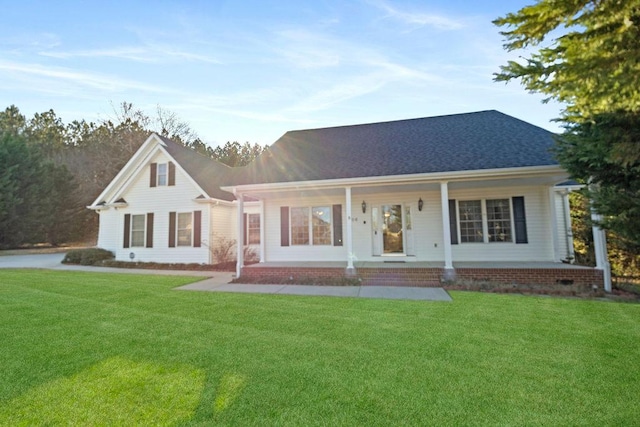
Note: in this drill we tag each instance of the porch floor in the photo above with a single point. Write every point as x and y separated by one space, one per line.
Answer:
421 264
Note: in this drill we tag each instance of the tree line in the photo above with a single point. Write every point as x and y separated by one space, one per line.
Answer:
50 171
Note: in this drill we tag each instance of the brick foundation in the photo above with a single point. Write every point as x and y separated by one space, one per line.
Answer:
578 279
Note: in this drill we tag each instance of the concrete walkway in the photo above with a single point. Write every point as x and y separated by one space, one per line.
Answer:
381 292
218 281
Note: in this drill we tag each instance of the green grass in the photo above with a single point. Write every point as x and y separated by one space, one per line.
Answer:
100 349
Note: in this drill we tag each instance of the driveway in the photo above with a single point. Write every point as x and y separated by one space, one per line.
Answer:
54 262
48 261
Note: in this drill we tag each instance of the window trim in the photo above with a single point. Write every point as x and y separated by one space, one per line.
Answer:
485 220
310 208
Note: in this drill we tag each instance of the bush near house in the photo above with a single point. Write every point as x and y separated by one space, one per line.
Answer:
89 256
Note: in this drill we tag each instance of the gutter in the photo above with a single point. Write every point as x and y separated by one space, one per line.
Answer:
383 180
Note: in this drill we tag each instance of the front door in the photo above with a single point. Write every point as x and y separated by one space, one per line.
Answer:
392 230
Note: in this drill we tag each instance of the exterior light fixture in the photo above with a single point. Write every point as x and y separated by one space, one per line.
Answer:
420 204
364 207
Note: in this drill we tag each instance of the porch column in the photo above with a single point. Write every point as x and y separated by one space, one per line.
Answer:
600 246
262 227
449 272
566 207
240 235
554 224
349 237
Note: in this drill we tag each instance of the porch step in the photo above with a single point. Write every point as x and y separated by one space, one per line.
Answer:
423 277
404 283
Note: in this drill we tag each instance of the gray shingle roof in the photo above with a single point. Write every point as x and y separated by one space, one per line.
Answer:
208 173
460 142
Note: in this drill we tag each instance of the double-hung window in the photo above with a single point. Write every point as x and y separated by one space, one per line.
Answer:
499 220
321 225
253 229
138 231
311 226
485 221
299 226
138 225
184 229
162 174
471 221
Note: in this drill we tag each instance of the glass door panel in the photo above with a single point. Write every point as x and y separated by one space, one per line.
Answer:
392 229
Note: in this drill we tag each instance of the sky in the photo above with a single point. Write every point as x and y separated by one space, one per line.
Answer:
249 71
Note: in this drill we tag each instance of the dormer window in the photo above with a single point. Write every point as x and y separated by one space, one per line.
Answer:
162 174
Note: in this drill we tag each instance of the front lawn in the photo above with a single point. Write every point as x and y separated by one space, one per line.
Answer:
103 349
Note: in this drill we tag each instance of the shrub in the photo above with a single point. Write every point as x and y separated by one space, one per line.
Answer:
223 252
89 256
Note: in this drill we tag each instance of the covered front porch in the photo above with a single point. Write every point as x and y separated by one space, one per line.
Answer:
496 227
547 275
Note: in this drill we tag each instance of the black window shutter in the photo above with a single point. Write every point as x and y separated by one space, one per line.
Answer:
172 173
284 225
172 229
337 225
127 230
453 222
153 173
244 229
197 228
519 219
150 230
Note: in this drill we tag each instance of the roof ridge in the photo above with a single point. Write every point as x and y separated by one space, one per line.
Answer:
401 120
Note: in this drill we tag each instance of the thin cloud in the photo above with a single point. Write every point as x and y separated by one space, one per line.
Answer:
420 19
147 54
77 78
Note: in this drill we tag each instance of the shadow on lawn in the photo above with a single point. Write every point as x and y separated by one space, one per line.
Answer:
116 391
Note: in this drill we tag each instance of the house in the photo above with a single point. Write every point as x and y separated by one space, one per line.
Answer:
166 206
476 196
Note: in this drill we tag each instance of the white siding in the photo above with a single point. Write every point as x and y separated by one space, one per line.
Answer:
109 236
427 225
540 245
275 252
160 201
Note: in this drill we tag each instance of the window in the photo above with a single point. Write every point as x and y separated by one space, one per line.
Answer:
321 223
499 220
253 229
137 230
311 226
184 229
299 226
470 221
162 174
485 221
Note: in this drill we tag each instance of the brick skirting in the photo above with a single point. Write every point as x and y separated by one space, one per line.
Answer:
551 278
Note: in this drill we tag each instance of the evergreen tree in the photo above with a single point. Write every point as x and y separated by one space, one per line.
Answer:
592 65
